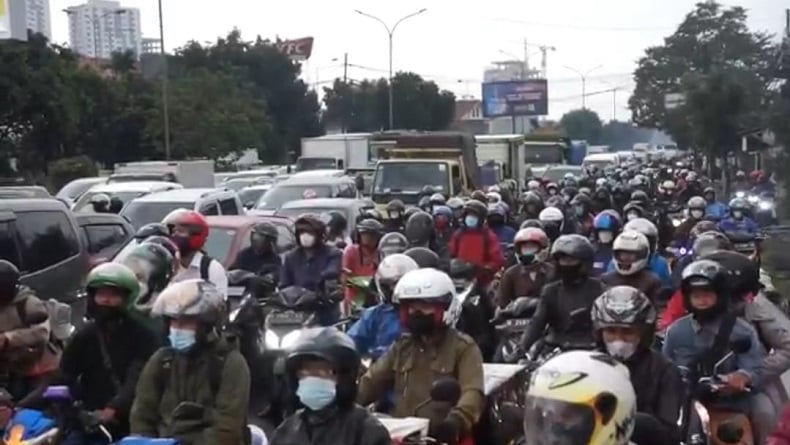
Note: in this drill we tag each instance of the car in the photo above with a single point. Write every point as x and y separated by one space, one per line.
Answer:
125 191
42 238
155 206
555 173
308 185
24 191
72 191
104 234
250 174
237 184
249 195
351 208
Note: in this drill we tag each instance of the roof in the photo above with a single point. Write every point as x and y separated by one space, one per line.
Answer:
499 137
464 107
182 195
313 180
135 186
239 221
321 202
339 137
32 204
319 174
263 187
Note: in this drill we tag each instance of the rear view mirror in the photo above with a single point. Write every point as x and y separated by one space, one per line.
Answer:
359 181
741 345
446 389
60 392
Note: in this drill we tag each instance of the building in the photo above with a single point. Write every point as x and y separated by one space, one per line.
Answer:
100 28
503 72
151 46
469 116
24 15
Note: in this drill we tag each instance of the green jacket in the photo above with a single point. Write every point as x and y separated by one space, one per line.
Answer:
214 379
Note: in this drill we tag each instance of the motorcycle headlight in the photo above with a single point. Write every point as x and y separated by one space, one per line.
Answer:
740 194
753 199
766 205
289 339
272 340
676 222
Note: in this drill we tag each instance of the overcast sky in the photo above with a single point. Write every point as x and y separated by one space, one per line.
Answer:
452 42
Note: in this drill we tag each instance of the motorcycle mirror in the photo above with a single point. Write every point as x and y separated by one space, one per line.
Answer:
446 389
741 345
729 432
58 392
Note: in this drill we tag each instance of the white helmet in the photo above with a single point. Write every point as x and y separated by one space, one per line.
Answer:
191 298
600 182
668 185
580 391
551 215
633 242
390 271
643 226
431 286
494 188
493 197
533 185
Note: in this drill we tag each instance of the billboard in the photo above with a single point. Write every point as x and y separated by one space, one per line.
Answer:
296 49
516 98
5 20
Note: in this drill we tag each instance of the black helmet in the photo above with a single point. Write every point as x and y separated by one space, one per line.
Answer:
9 280
411 211
743 272
369 214
702 227
634 206
116 205
575 246
165 242
337 222
624 306
392 243
640 197
479 195
536 223
532 198
476 207
708 242
266 230
424 257
151 229
396 205
424 203
370 226
419 228
703 273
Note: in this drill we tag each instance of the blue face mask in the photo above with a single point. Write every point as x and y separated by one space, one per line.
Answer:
316 393
471 221
181 339
579 210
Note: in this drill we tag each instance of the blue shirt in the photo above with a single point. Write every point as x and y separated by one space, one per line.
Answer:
376 330
311 272
745 224
658 265
505 233
716 210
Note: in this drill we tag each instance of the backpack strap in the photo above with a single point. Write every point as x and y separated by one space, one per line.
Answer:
205 264
720 343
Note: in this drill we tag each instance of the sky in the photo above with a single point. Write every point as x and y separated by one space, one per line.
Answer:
452 42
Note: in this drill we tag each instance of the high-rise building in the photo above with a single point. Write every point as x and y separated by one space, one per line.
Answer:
24 15
100 28
151 45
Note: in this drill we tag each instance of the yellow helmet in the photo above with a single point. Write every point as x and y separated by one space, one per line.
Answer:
580 398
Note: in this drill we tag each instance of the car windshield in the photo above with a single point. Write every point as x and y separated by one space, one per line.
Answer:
237 184
140 213
556 174
305 164
279 195
219 243
84 203
249 197
74 189
543 154
411 177
296 211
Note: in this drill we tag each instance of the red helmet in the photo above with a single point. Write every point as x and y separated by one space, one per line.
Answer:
531 235
195 223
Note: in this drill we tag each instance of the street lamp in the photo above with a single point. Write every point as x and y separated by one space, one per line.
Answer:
165 107
390 32
584 81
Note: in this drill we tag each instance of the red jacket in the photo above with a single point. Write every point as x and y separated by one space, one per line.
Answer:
361 264
781 434
472 246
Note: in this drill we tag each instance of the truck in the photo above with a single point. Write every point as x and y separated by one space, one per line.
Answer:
543 149
347 151
412 164
190 174
504 152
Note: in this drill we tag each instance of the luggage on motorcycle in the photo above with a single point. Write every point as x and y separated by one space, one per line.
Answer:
27 424
135 440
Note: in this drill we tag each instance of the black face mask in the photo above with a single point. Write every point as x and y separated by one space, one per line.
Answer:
706 315
182 242
570 274
106 314
420 324
552 231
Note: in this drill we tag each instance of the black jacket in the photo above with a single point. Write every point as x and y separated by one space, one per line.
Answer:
332 426
256 263
659 393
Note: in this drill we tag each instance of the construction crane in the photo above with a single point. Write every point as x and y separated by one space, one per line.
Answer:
544 49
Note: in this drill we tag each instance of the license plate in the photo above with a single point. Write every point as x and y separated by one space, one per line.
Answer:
287 317
518 323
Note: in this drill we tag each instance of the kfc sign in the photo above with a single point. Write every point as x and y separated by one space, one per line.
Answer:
297 49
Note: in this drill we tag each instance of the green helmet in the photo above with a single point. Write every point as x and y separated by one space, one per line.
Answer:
114 275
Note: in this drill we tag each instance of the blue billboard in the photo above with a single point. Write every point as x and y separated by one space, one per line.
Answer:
516 98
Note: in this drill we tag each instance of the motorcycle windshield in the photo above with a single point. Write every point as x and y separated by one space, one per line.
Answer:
294 297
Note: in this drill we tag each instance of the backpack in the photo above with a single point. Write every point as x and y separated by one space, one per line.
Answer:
205 264
485 242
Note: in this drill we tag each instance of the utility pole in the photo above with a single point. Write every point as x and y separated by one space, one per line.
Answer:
583 76
165 107
348 91
525 67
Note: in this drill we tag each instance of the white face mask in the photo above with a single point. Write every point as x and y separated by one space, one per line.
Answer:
605 237
631 216
696 213
737 214
621 350
306 239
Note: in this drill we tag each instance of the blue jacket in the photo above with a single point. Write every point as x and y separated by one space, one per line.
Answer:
686 341
505 233
311 273
602 259
745 224
376 330
658 265
716 210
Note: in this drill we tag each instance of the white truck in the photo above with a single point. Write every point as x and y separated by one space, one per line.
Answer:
505 151
346 151
190 174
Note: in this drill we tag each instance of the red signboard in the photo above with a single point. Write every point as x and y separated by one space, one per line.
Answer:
298 49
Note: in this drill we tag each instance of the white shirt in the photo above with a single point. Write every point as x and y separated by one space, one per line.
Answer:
216 274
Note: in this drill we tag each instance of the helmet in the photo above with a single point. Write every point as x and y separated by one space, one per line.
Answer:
531 235
427 285
552 185
424 203
493 197
153 266
691 176
411 211
738 204
536 223
533 185
744 274
608 220
391 269
697 203
115 275
643 226
337 222
392 243
396 206
266 230
191 298
580 392
9 280
311 224
100 202
575 246
442 210
455 203
494 188
195 224
496 209
640 197
165 242
633 210
702 227
635 244
709 191
424 257
476 207
371 226
151 229
532 198
708 242
623 306
668 186
419 228
478 195
437 199
705 274
551 215
585 191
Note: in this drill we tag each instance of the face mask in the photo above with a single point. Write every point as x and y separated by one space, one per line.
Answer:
106 314
182 242
306 240
621 350
605 237
570 274
395 215
526 258
696 214
552 231
631 216
181 339
420 324
737 214
316 393
471 221
579 210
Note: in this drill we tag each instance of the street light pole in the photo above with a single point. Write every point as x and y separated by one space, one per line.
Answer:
165 107
390 32
584 82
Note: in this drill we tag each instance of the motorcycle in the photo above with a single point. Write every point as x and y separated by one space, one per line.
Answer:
505 388
473 310
763 209
746 243
510 324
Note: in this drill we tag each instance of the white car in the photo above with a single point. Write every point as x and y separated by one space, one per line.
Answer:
154 207
125 191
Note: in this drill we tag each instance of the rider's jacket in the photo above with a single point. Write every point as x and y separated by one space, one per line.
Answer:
658 265
686 340
259 264
523 281
683 231
411 366
376 330
26 338
310 272
603 256
766 187
479 247
505 233
360 262
745 224
716 210
331 426
644 280
213 376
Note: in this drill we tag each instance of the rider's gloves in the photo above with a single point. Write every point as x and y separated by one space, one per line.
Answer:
448 431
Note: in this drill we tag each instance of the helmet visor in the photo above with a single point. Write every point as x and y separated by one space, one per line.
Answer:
554 422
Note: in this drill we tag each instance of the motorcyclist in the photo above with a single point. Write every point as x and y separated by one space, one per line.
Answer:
437 199
395 220
324 366
565 304
762 184
620 197
563 403
553 222
443 225
337 230
431 349
601 199
633 210
532 204
24 335
740 183
707 297
692 187
606 227
189 231
361 258
631 258
666 193
392 243
552 189
100 202
419 230
497 221
714 210
696 211
582 214
379 326
457 206
657 264
624 321
527 278
738 221
476 243
103 360
261 257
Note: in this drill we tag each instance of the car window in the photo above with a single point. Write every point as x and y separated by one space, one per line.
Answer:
46 238
347 191
228 206
219 242
8 248
209 208
102 236
140 213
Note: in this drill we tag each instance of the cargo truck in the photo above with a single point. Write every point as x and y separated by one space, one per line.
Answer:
190 174
348 151
506 151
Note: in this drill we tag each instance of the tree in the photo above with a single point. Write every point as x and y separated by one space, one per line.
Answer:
364 106
711 39
582 124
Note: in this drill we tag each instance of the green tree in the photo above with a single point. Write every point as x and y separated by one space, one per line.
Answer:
711 39
582 124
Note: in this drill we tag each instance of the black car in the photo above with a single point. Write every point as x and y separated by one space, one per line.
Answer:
104 234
